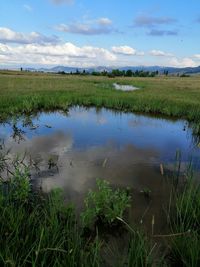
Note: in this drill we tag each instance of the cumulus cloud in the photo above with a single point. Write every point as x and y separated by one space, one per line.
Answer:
197 56
149 21
65 54
183 62
159 53
93 27
126 50
155 32
9 36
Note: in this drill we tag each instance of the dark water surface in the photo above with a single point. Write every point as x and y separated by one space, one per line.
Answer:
71 150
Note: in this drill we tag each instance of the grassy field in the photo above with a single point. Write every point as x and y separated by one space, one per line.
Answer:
171 96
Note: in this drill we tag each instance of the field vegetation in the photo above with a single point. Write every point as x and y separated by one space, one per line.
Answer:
23 92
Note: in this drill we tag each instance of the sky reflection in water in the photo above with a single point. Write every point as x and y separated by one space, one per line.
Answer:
86 144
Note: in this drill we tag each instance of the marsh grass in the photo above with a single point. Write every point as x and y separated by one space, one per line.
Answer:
38 229
43 232
185 224
28 92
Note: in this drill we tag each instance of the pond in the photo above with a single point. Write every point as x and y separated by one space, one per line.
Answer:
123 87
71 150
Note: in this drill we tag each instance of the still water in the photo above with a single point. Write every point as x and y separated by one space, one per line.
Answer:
70 150
125 87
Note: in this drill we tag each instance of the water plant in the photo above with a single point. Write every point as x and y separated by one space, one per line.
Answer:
105 204
146 192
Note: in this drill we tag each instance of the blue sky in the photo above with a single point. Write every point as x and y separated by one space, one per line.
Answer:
86 33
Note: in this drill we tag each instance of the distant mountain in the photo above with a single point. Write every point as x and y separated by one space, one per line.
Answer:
171 70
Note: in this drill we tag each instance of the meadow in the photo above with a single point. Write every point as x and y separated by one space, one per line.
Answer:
22 92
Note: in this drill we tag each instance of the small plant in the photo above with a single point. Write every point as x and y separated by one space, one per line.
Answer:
146 192
105 204
52 162
20 185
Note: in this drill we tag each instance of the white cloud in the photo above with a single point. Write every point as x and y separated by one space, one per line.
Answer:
149 21
159 53
90 27
183 62
126 50
9 36
28 8
104 21
58 2
84 29
197 56
65 54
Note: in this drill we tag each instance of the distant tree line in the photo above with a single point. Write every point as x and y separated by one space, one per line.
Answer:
115 73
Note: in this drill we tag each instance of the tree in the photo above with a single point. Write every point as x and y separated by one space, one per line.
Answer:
166 72
129 73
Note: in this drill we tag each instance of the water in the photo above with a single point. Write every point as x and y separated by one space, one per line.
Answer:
70 150
125 87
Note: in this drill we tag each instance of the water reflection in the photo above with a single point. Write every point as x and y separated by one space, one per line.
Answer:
125 87
72 150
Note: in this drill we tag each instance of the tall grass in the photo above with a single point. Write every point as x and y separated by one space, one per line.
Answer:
45 234
37 230
185 224
172 96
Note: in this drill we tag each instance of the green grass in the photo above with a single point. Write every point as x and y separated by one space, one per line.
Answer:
28 92
185 225
41 230
38 229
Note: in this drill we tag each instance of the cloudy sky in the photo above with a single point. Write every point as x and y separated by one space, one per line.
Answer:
87 33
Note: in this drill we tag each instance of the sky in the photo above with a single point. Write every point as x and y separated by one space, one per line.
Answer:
89 33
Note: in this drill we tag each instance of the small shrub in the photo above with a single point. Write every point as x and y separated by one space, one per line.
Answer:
20 185
17 186
105 204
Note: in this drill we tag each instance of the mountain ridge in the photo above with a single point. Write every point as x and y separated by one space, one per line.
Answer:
160 69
